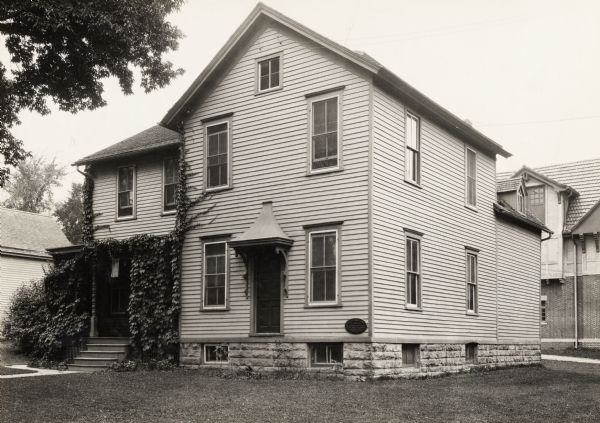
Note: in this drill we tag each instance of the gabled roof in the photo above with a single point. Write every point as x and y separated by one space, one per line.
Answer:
503 209
511 184
581 178
154 138
29 234
382 76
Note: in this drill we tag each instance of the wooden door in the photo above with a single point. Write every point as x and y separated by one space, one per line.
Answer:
267 280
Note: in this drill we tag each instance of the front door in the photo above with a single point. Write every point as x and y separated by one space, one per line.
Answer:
113 297
267 279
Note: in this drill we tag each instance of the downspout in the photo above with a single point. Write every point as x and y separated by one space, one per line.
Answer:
575 291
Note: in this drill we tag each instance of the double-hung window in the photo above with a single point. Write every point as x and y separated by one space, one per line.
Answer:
543 309
215 275
413 272
324 273
471 177
170 179
217 155
413 149
536 202
126 192
325 134
472 276
269 73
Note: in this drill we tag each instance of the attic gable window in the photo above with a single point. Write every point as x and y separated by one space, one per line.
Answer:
126 192
325 133
521 200
269 73
537 202
471 177
170 177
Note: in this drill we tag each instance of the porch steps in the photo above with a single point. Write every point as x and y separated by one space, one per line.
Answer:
99 353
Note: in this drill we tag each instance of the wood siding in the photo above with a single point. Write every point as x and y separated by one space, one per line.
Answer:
437 209
518 283
269 156
149 217
16 271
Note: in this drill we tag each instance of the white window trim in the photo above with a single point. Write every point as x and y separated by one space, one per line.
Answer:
467 204
327 345
407 178
337 268
311 101
229 160
134 194
226 299
165 212
257 65
205 355
419 305
545 299
520 200
468 252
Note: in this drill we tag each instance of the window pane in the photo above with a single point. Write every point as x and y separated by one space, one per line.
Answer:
330 248
318 117
123 183
332 144
170 195
410 164
330 285
415 256
412 135
332 114
320 146
318 250
223 142
318 285
213 145
409 246
274 66
264 68
130 178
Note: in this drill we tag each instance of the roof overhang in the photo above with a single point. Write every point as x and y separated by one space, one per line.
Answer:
514 216
19 252
382 76
68 250
126 154
265 231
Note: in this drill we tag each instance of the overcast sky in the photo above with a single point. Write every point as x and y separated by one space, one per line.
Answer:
525 73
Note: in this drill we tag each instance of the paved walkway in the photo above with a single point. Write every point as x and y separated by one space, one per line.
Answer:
38 372
571 359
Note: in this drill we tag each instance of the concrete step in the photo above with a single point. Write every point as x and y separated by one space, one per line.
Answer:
87 368
118 355
108 347
94 361
108 340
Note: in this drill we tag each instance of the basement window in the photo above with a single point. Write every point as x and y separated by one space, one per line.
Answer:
325 354
471 353
216 353
410 355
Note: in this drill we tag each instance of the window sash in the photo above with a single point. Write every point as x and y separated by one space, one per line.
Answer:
543 310
216 353
323 267
217 155
326 354
413 148
215 276
170 180
472 276
413 272
471 177
269 74
325 133
125 191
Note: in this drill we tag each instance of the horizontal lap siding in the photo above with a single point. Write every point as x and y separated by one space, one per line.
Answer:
518 282
270 148
14 272
438 210
149 219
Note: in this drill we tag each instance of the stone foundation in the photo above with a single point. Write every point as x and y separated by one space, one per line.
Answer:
368 360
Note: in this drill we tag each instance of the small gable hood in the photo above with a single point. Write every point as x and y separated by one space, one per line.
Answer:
264 231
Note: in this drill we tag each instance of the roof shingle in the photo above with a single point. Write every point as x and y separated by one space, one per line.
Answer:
29 233
150 139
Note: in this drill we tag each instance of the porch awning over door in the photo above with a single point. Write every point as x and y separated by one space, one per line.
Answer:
264 231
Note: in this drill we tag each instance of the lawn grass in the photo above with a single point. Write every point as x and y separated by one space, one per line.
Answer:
523 394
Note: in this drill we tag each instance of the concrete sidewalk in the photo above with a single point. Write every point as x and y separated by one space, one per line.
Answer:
571 359
38 372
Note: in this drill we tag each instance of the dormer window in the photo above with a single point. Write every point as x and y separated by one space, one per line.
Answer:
521 200
269 73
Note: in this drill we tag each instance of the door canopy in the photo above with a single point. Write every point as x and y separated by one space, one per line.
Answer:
265 231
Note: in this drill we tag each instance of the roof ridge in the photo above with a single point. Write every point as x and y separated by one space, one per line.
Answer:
28 212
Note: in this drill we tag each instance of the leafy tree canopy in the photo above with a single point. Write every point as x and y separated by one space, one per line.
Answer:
31 187
70 214
61 50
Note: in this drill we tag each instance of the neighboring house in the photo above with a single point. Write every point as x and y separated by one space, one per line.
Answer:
566 197
354 221
24 238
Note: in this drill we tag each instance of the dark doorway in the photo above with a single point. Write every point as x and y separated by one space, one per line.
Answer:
113 297
267 280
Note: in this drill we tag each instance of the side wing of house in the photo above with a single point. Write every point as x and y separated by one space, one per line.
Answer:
268 137
518 283
129 196
17 271
432 218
